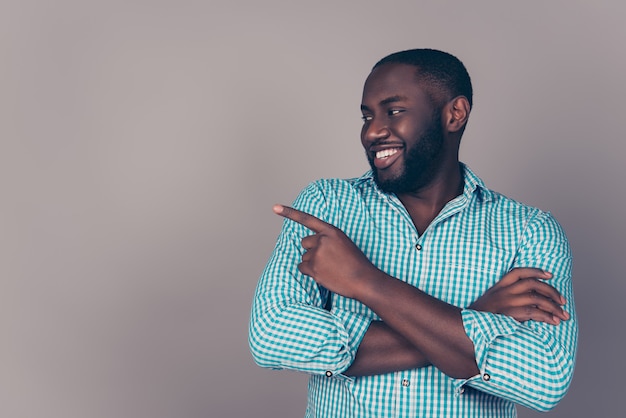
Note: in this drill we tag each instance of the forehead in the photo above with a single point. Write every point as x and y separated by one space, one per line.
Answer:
390 80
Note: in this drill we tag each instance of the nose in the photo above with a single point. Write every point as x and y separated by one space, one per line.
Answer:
374 130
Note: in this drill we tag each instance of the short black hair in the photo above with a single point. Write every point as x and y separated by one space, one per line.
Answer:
439 70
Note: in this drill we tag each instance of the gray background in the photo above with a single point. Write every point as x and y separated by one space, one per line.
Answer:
142 144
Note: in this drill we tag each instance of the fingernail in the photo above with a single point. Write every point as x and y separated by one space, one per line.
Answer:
277 209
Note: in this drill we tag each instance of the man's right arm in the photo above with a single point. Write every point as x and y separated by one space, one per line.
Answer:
289 327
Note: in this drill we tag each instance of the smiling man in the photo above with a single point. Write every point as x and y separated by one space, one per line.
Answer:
414 290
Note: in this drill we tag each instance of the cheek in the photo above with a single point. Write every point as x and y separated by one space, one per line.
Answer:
405 130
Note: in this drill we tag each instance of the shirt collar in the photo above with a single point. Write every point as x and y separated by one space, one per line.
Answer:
472 184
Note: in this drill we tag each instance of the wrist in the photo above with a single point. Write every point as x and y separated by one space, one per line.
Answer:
370 285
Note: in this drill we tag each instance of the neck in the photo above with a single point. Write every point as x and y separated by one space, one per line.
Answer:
425 204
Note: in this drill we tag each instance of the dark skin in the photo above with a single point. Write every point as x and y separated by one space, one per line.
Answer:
416 329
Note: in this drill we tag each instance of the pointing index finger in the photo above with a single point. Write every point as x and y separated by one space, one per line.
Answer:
314 224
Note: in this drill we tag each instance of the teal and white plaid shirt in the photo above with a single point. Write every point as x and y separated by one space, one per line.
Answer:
476 239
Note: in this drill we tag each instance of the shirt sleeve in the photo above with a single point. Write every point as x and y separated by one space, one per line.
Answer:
530 363
289 326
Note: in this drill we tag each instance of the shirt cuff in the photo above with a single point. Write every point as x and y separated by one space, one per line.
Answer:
356 326
483 328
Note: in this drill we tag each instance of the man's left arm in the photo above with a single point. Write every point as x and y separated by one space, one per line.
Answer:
531 362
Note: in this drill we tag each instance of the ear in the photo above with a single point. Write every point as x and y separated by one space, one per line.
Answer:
457 112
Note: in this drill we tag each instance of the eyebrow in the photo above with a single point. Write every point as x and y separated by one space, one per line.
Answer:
391 99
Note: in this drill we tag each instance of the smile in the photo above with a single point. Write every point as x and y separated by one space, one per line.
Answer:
386 157
386 153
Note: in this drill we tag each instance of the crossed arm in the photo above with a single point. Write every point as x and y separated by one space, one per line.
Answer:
416 329
517 331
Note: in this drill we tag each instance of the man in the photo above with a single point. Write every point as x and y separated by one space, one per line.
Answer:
413 290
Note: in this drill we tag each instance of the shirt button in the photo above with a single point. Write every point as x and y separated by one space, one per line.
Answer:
406 382
329 373
486 377
418 247
461 391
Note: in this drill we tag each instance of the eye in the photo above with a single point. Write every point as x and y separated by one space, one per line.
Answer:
366 118
394 112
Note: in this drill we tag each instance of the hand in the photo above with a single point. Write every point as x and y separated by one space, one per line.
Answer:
331 258
523 294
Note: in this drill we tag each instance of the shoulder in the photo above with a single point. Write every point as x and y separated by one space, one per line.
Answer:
330 199
333 191
513 207
339 186
529 219
534 217
494 201
532 225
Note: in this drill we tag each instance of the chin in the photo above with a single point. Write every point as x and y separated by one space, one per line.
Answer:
389 183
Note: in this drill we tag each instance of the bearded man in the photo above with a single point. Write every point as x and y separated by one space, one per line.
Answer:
414 290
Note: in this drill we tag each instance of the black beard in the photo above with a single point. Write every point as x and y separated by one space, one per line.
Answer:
422 162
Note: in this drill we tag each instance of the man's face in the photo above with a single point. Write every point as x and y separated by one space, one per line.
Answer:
402 132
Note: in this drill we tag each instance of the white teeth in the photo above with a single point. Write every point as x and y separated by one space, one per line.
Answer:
386 153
